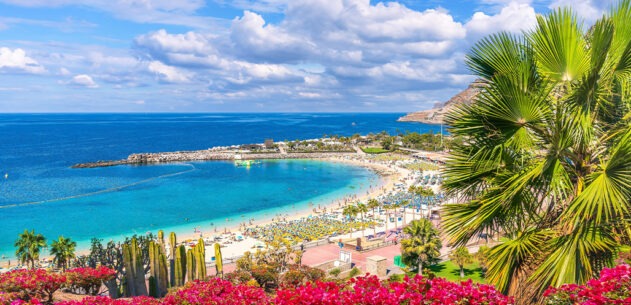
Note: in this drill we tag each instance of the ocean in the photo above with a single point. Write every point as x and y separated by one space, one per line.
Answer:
39 190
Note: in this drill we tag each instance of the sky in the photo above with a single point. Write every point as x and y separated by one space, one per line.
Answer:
246 55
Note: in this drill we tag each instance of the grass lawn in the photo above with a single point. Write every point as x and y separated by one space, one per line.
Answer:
451 272
374 150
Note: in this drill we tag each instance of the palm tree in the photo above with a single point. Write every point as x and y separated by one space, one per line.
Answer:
547 152
422 246
350 211
373 204
362 208
395 207
461 256
404 205
29 246
63 249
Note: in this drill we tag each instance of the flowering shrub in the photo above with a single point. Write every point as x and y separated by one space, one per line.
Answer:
28 284
613 287
7 298
369 290
89 280
217 292
108 301
239 277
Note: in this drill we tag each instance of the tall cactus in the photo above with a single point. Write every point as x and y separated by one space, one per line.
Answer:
200 256
218 260
190 265
180 267
172 263
161 237
134 270
158 282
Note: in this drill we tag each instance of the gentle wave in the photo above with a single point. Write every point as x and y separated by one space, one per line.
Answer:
109 190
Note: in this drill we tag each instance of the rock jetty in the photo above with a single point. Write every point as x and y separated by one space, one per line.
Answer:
207 155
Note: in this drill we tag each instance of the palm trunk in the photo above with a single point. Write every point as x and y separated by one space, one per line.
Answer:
461 271
362 225
374 228
420 268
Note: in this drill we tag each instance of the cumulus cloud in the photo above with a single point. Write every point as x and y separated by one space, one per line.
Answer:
515 17
148 11
317 54
589 10
17 61
169 74
83 80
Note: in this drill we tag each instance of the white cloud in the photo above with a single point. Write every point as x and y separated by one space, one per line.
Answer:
180 12
16 60
589 10
83 80
515 17
169 74
63 71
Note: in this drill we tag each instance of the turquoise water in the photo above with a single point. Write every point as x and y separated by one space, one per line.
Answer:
179 197
42 192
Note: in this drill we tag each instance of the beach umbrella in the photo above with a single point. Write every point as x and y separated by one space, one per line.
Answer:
218 260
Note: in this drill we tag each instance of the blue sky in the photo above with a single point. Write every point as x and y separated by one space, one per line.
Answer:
246 55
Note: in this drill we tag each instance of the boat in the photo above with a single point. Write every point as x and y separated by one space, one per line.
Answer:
246 163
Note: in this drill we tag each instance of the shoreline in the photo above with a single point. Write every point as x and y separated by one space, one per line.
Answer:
386 179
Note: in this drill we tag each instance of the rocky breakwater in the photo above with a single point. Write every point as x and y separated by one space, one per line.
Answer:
177 156
207 155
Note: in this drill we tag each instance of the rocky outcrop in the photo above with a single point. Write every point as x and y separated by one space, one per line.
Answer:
436 115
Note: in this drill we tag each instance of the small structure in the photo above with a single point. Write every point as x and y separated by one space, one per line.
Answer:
376 265
269 143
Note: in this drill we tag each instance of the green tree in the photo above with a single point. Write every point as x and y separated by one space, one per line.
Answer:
373 204
482 256
63 249
350 211
547 152
361 209
29 246
461 256
422 246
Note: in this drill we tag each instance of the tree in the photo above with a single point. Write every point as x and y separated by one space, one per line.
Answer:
29 245
404 204
423 192
482 256
362 208
63 249
373 204
461 256
547 151
350 211
422 246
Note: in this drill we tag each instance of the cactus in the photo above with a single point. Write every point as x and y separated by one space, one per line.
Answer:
158 268
134 270
180 267
173 244
190 265
218 260
200 256
161 237
172 264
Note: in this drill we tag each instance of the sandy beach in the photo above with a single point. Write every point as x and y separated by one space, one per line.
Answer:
389 175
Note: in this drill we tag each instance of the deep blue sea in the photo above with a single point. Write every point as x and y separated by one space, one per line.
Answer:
40 191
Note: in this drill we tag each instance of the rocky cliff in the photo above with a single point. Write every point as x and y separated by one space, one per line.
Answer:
436 115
